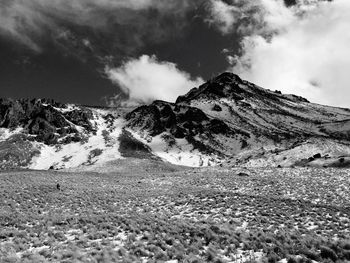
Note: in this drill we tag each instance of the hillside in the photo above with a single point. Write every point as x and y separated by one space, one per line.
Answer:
226 121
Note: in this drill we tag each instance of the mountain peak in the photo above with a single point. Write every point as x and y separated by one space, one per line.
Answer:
226 78
225 85
230 86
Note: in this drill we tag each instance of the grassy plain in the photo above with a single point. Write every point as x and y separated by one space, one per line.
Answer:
182 215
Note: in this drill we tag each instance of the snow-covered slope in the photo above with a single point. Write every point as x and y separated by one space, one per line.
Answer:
233 121
100 146
66 136
226 121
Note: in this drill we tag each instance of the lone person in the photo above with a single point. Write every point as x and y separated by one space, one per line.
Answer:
58 186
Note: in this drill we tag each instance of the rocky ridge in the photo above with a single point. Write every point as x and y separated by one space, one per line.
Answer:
226 121
44 119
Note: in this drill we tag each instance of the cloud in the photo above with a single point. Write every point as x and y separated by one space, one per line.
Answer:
239 16
261 17
222 15
146 79
308 56
101 32
301 49
29 22
15 19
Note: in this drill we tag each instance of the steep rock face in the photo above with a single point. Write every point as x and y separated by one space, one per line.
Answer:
46 120
80 117
224 86
179 120
16 112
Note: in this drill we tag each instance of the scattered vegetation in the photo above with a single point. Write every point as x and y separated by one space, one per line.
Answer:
16 151
299 215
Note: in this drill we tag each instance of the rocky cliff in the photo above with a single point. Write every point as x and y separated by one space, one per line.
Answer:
45 120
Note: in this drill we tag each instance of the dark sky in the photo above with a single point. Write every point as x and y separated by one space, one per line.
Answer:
50 74
62 53
68 71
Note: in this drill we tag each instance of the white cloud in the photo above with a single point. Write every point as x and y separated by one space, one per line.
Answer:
303 49
308 54
223 15
275 15
146 79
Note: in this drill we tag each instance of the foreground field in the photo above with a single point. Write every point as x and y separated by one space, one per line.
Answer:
217 215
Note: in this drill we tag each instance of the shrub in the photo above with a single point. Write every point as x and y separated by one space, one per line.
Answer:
346 245
211 254
193 249
192 259
141 252
292 260
311 254
327 252
209 236
122 252
160 255
272 258
346 254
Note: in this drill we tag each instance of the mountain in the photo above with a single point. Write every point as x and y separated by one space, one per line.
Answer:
226 121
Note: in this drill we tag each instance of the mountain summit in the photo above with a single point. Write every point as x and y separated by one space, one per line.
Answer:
231 86
226 121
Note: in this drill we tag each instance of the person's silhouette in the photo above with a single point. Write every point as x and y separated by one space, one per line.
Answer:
58 186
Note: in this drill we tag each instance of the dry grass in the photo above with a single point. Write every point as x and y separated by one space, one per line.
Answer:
188 216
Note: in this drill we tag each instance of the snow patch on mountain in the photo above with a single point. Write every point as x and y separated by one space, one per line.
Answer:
179 151
69 107
98 148
7 133
302 154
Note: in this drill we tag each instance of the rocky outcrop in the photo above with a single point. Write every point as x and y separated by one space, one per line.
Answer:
46 120
227 85
80 117
179 120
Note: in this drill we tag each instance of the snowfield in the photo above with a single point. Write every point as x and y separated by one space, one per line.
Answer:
97 149
179 152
